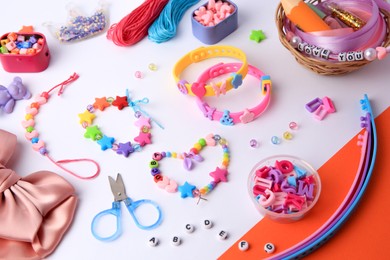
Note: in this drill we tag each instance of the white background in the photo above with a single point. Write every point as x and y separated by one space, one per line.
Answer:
107 70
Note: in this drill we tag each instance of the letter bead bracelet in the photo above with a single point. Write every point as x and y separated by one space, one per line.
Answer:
247 115
187 189
203 53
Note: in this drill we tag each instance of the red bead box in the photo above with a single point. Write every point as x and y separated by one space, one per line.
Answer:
36 62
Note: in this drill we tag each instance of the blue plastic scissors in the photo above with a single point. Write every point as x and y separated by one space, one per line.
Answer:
118 190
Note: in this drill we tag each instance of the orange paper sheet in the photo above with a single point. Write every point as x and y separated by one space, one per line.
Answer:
365 235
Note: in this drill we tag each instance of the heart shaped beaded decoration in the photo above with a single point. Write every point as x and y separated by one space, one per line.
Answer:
187 189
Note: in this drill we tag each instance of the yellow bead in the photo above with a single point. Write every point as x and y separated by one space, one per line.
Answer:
222 141
198 146
29 116
145 129
174 155
152 67
287 135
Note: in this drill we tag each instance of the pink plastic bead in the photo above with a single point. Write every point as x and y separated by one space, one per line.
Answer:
293 125
138 74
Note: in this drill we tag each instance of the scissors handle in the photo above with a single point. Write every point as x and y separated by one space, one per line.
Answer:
133 205
115 211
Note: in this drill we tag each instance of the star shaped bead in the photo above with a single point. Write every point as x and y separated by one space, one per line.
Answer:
92 132
143 138
219 175
186 190
125 148
101 103
142 121
257 36
27 29
120 102
86 117
106 142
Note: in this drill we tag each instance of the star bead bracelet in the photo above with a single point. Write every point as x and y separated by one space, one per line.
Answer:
106 142
32 134
187 189
226 117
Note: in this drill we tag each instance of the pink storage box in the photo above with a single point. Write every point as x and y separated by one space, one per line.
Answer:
26 62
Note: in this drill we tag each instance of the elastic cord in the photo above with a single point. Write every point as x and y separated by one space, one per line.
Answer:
165 26
58 163
134 27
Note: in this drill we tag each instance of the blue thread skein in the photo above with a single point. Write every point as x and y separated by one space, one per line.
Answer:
165 26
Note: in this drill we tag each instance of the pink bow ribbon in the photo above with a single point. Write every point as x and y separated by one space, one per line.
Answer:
35 211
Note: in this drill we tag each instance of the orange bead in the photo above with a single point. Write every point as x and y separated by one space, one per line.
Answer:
31 51
35 105
15 51
12 36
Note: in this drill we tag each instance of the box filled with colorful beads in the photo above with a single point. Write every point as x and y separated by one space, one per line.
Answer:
284 188
358 33
214 20
24 52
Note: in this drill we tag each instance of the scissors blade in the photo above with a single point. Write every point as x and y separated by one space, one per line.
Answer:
117 188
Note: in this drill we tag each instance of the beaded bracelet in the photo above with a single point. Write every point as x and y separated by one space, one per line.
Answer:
143 123
203 53
226 117
187 189
33 136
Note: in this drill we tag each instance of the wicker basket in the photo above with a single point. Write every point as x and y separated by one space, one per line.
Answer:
320 66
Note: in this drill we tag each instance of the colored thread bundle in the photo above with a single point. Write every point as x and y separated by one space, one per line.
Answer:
165 26
134 27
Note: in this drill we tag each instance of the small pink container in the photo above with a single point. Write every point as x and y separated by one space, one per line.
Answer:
26 62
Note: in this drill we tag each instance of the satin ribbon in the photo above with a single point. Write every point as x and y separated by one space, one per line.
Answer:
370 35
35 210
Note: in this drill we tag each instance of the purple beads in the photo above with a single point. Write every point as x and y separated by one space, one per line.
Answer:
82 27
253 143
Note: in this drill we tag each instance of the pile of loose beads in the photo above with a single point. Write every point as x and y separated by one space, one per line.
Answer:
21 44
284 187
213 13
106 142
81 27
187 189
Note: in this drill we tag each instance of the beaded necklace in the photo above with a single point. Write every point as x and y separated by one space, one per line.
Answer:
32 134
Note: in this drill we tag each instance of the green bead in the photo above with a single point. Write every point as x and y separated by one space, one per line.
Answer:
202 142
30 129
153 164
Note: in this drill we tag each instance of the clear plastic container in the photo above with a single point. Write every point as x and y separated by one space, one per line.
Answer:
284 202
